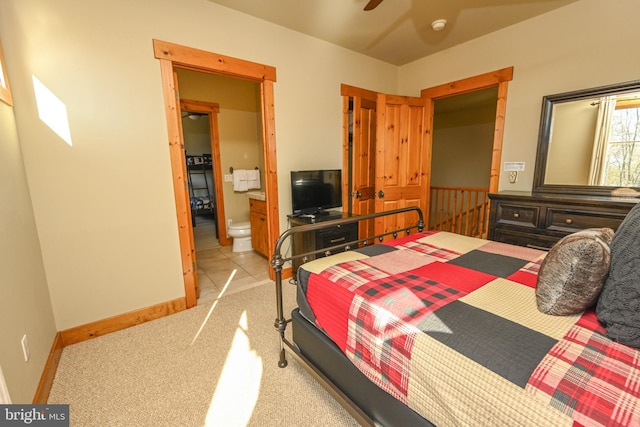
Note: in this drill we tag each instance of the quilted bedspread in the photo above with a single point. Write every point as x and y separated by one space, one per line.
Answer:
448 324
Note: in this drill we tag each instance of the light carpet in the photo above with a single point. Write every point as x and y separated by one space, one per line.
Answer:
151 375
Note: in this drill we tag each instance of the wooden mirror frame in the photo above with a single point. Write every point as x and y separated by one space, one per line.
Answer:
539 186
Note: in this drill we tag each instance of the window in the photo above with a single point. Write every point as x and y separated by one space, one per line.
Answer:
623 145
5 92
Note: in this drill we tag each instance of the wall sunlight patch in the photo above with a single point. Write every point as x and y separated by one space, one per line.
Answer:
52 111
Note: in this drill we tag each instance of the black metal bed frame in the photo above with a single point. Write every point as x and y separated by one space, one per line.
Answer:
278 262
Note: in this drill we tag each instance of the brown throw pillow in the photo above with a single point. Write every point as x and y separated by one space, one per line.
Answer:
574 271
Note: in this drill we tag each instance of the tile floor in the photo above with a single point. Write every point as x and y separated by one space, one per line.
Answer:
215 264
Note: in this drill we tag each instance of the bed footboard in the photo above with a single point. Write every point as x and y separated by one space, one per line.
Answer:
278 261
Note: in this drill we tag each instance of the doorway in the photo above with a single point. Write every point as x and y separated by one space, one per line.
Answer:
361 129
221 124
463 127
171 57
466 210
499 79
202 151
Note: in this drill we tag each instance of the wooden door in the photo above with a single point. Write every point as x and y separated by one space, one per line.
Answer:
403 158
359 155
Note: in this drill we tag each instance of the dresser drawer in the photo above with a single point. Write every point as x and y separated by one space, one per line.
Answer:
529 240
571 220
336 237
522 215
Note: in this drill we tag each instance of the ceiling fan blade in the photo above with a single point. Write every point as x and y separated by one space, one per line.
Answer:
372 4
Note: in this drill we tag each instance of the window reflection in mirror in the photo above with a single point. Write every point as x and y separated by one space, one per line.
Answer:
621 152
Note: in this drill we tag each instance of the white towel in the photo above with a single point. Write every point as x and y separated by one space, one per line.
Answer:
253 179
246 179
239 180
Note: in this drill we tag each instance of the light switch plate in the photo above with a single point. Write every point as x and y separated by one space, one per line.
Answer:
228 177
513 166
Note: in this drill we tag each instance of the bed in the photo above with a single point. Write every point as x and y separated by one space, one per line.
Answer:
434 328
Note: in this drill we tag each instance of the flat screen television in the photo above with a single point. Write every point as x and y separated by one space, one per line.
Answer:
313 191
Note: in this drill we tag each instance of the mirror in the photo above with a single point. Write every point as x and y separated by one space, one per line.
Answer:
589 142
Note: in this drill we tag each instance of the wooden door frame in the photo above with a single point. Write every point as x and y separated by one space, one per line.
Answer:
212 109
499 78
173 56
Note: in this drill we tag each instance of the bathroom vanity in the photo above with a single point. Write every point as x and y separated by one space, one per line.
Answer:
258 220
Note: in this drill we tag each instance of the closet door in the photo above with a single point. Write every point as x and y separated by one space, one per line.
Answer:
403 158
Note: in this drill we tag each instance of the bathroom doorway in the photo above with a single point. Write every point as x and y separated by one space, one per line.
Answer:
204 176
237 137
173 57
216 136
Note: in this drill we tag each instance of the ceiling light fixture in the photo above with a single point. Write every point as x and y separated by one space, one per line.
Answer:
438 24
191 115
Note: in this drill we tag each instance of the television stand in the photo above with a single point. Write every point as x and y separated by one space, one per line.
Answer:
318 216
320 239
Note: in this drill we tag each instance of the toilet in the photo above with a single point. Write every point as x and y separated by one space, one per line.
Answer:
241 233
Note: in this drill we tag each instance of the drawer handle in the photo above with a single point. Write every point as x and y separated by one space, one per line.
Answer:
341 239
568 221
516 215
540 248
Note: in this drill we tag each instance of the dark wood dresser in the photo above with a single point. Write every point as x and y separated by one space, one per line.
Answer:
539 221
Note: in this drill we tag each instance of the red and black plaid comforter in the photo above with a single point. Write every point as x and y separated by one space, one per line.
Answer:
448 324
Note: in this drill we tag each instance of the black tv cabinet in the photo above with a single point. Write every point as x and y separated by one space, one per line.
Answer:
319 239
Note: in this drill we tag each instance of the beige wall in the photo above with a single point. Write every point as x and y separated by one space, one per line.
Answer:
104 206
463 146
571 143
25 306
240 148
552 53
196 136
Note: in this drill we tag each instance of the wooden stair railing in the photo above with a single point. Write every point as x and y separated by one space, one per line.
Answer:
461 210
